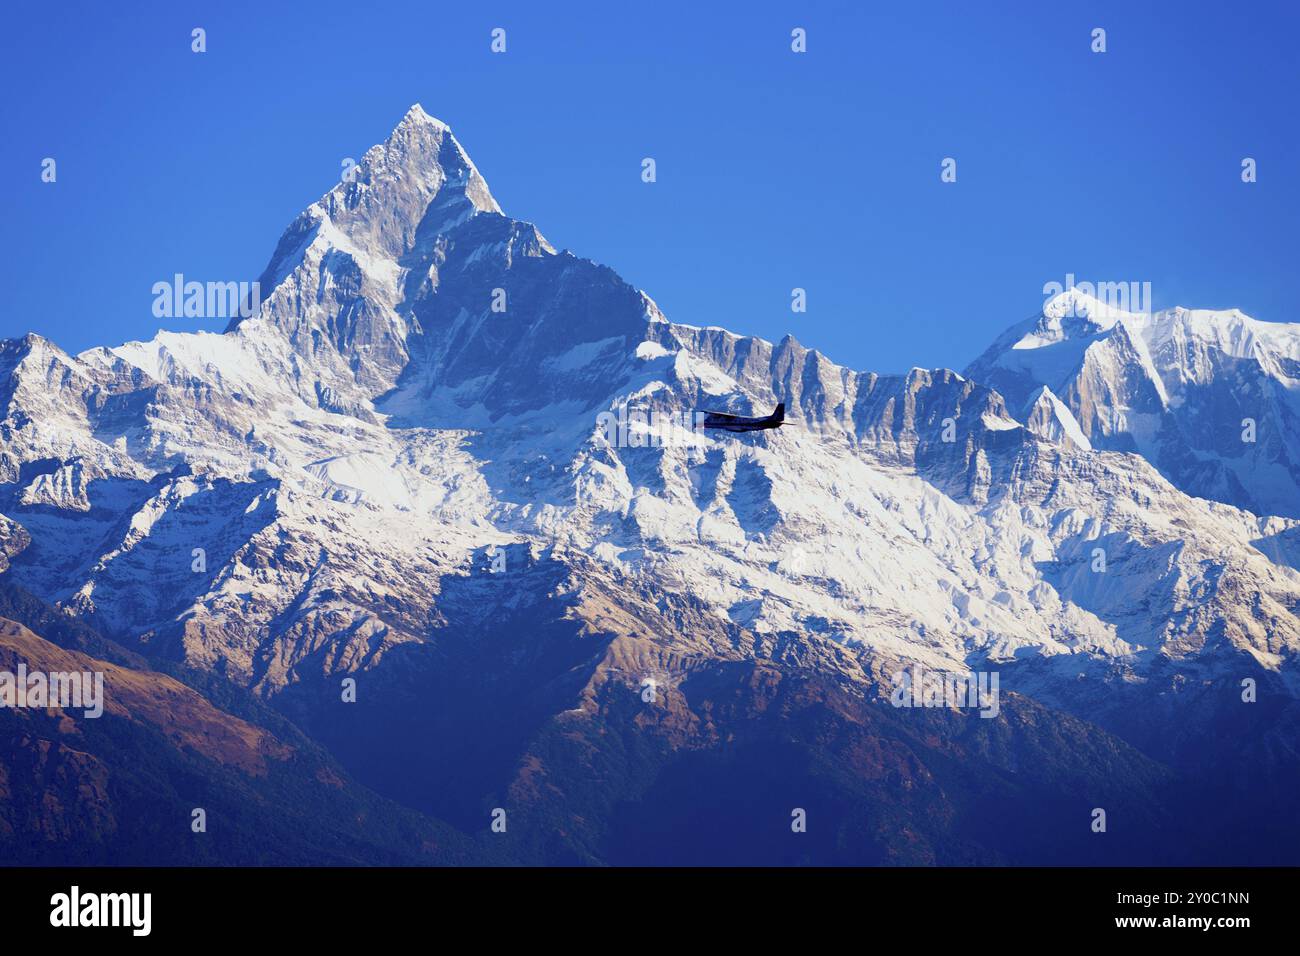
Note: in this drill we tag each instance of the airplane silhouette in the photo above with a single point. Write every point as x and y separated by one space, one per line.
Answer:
739 423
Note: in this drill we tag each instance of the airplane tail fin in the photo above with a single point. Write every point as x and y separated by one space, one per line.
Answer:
779 414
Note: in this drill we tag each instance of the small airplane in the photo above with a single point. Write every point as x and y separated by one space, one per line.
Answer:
739 423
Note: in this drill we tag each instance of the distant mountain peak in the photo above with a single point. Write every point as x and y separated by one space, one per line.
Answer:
1177 386
416 116
421 155
1071 314
1073 301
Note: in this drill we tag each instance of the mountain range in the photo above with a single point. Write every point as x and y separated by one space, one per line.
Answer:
650 644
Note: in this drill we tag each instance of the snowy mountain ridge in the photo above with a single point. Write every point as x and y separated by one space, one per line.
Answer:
351 460
1211 398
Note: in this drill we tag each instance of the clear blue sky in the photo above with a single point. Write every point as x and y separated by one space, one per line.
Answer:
775 170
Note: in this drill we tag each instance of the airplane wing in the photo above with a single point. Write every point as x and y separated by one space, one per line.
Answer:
723 415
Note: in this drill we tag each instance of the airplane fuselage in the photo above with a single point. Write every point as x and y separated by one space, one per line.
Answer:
744 425
741 423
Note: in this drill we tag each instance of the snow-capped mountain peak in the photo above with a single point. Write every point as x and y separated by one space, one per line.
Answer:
1212 398
421 155
395 202
416 116
1092 315
428 381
